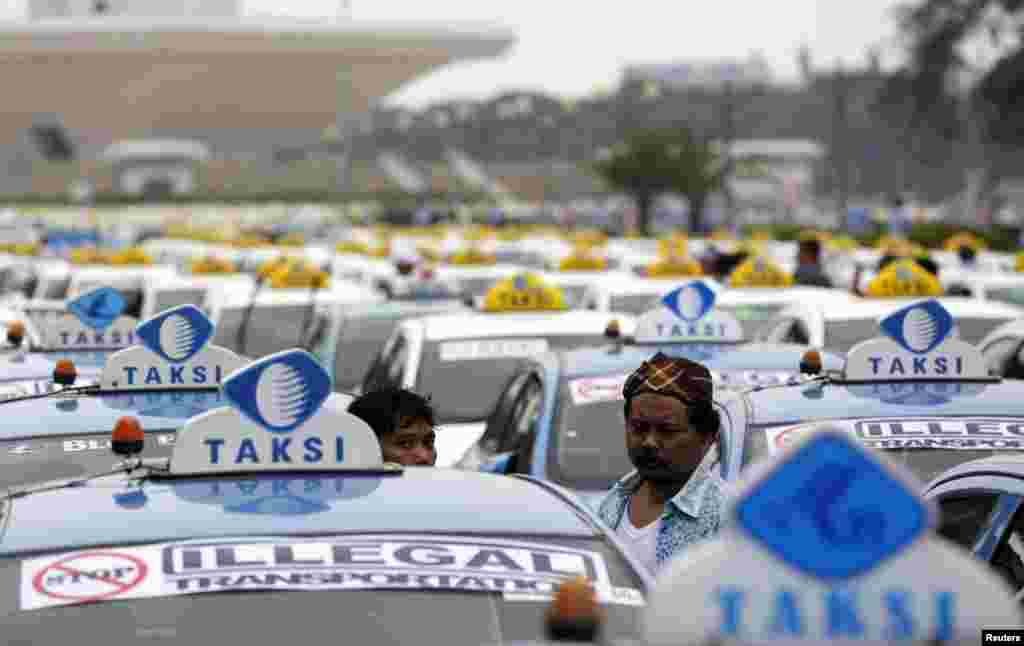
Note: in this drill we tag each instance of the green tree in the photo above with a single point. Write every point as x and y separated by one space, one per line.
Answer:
651 162
925 91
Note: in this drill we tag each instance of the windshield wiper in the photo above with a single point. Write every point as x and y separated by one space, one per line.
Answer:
70 390
151 465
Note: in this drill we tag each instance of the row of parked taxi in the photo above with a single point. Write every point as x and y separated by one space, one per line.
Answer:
162 444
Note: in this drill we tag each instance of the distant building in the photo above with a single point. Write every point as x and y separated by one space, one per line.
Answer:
56 9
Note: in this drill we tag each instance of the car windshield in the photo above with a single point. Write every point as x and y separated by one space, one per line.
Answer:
924 463
418 614
465 377
28 459
752 317
588 449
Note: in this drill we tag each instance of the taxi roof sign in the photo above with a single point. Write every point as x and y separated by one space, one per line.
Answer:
920 344
94 320
904 278
688 314
759 272
175 355
282 418
830 542
523 293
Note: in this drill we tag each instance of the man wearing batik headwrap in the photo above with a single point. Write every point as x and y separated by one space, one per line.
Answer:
673 498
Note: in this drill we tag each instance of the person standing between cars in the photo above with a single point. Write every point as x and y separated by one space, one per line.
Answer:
808 265
673 498
403 422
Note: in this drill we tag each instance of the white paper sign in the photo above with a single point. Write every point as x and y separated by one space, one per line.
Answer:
492 349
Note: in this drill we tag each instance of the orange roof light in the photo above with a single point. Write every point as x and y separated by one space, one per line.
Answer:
64 373
16 333
810 363
613 330
574 614
127 437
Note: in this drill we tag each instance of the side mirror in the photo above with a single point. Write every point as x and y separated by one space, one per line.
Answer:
501 465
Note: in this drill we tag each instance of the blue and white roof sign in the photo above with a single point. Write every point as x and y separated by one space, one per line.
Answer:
920 344
282 418
289 496
175 355
93 321
279 395
831 511
828 542
687 314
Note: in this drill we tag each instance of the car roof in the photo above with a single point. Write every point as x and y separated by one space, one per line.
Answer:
420 500
1010 464
585 362
888 399
875 307
394 309
1010 328
482 325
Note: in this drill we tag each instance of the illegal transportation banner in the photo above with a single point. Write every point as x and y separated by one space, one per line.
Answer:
949 433
518 570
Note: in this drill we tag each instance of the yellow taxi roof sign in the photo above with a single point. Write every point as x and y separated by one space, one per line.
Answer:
674 268
758 271
1019 264
582 262
964 239
472 256
523 293
904 278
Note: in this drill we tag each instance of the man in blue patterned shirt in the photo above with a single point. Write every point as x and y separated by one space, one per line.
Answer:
673 498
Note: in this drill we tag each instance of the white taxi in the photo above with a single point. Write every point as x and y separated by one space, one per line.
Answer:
838 327
464 361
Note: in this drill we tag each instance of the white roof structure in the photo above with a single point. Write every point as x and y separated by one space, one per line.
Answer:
118 77
156 149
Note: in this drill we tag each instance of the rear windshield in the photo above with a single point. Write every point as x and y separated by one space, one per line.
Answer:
434 606
752 317
633 303
840 336
358 344
40 458
466 389
1011 295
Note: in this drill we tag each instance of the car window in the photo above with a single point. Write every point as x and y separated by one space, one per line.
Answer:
1008 559
395 366
525 415
588 447
998 353
501 418
798 334
380 373
1011 295
963 517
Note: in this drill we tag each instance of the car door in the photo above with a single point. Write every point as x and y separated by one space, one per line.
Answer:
483 454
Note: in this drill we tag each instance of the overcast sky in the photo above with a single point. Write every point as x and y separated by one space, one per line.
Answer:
572 47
